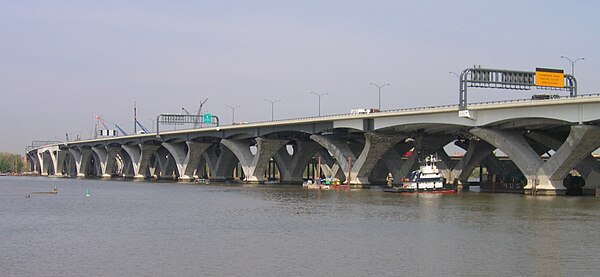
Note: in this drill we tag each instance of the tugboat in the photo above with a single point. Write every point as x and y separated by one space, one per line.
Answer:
425 180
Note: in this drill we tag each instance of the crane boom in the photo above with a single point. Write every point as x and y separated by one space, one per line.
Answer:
103 120
197 120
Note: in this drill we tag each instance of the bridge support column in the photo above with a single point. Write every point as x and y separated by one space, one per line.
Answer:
140 158
60 165
31 160
587 168
376 145
544 178
292 166
82 157
477 151
582 140
398 167
107 156
53 153
254 166
221 165
513 144
341 152
40 162
329 167
187 161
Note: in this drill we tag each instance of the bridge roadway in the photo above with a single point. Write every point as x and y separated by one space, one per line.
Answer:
544 139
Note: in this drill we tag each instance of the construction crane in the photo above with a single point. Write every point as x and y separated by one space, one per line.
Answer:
102 121
136 122
197 122
142 126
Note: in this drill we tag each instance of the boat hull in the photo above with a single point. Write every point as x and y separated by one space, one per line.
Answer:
428 191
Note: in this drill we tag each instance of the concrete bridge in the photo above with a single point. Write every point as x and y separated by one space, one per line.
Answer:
545 140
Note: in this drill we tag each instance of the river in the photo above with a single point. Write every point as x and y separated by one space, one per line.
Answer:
127 228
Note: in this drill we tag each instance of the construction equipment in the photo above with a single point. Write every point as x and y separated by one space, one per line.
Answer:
137 123
103 121
197 122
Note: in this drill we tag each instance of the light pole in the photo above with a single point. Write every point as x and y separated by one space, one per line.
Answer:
233 112
456 74
572 64
272 105
379 88
319 95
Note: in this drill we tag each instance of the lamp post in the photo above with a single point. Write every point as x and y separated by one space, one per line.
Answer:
272 106
233 112
572 64
379 89
319 96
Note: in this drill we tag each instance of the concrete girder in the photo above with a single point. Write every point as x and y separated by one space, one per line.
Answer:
49 158
186 161
223 165
160 167
396 165
127 171
477 151
140 158
32 161
587 168
376 145
82 157
546 177
107 156
426 144
582 140
254 166
40 161
513 144
329 167
211 159
60 165
339 150
292 166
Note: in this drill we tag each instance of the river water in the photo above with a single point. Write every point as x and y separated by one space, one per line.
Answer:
127 228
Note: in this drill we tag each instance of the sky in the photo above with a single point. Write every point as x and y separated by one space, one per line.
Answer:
61 62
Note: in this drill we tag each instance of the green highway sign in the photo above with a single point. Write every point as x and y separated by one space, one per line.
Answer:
207 118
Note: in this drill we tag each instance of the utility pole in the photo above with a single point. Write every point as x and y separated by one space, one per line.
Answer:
319 96
572 63
379 88
233 112
272 106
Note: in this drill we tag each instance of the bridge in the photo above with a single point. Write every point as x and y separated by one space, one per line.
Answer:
545 140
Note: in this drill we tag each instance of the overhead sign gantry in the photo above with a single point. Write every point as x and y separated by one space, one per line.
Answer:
542 78
180 119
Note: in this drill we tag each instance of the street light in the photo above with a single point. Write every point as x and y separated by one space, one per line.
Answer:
456 74
379 88
233 113
272 105
319 95
572 64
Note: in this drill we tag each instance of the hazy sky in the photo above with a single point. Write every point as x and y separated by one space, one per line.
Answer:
63 61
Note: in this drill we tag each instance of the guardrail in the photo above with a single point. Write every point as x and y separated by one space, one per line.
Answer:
38 144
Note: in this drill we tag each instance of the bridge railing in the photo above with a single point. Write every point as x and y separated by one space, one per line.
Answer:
38 144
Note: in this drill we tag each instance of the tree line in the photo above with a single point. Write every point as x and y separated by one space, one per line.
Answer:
11 163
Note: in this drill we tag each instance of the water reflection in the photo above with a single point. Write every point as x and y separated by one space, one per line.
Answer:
140 228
